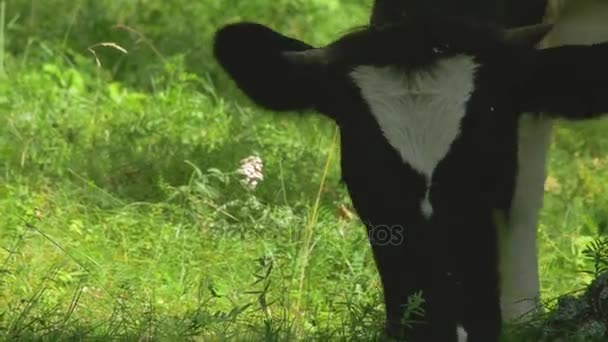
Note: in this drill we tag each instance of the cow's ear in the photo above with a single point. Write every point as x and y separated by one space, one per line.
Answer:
569 82
275 71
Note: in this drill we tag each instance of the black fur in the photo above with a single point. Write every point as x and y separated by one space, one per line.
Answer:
497 13
569 82
452 257
251 54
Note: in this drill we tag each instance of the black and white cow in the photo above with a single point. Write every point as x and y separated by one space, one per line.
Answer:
428 114
574 22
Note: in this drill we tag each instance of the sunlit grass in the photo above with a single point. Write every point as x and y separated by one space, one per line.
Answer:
121 211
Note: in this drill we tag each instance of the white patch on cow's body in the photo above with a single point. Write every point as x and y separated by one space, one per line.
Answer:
419 112
520 287
462 334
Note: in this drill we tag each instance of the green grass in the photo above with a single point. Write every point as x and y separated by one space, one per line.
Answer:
121 211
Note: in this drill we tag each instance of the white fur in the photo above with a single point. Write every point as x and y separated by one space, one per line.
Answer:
420 112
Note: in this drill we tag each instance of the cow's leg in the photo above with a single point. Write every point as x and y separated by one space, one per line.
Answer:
520 286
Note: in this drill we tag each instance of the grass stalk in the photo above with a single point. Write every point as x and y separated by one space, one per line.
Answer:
2 16
310 226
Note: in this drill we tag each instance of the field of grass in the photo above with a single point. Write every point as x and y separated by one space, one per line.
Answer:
122 211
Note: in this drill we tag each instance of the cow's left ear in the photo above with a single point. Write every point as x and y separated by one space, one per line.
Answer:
569 82
275 71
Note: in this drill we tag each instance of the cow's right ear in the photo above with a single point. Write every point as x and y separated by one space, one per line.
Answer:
275 71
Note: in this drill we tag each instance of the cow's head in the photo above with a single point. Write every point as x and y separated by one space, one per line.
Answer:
360 79
285 74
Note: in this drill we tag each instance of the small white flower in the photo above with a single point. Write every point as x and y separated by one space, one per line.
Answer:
252 171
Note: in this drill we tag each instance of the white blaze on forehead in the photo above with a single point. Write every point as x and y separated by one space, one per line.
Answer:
419 112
